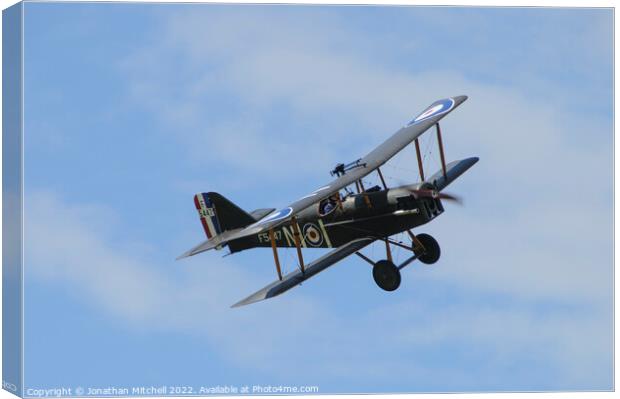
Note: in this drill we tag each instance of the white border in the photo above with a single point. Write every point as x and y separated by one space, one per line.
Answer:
483 3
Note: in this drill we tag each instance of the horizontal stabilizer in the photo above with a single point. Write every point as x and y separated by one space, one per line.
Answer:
258 214
297 277
453 170
215 242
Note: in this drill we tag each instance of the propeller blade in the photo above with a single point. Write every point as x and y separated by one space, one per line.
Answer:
425 193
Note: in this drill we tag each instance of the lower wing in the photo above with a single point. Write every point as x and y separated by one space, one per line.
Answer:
297 277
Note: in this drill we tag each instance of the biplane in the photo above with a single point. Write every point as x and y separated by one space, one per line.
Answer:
342 218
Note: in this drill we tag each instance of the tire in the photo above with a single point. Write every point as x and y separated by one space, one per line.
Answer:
386 275
432 251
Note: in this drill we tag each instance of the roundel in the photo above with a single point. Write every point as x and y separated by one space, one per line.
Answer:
312 235
437 108
277 215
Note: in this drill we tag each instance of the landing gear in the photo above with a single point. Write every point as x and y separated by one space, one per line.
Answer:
431 252
386 275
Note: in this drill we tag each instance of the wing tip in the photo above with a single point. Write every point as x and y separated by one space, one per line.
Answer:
460 99
186 254
249 300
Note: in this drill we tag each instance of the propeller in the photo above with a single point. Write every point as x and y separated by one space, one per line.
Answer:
428 192
434 194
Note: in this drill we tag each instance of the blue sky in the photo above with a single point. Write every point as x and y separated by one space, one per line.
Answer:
130 109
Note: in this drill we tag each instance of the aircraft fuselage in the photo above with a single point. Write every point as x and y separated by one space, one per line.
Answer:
379 213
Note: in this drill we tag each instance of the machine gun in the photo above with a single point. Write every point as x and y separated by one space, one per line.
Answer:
341 169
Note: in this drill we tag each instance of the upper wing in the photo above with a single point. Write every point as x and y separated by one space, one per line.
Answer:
294 278
453 170
370 162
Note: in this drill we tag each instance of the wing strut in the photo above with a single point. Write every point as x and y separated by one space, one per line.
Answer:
339 200
275 253
419 155
382 179
363 191
443 158
297 243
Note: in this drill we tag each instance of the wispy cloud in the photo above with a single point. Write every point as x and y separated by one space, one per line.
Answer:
529 187
64 248
310 69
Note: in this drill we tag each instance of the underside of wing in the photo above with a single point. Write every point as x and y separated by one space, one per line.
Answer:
297 277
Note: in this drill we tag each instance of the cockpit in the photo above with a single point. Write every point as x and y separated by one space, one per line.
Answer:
328 205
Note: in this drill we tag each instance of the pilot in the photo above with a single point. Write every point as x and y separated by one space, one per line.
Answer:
329 206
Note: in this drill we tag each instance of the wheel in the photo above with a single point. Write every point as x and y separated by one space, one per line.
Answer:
431 249
386 275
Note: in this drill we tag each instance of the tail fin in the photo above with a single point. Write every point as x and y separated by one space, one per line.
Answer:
217 214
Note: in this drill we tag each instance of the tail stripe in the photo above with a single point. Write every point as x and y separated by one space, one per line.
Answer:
203 218
207 214
213 214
